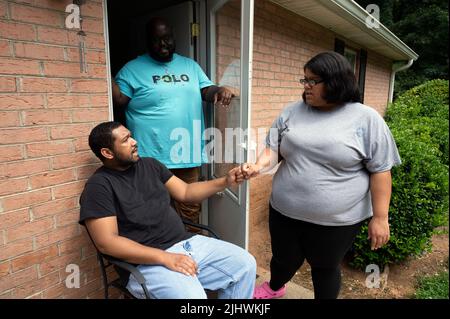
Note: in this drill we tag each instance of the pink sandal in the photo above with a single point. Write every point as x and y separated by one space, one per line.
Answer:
265 292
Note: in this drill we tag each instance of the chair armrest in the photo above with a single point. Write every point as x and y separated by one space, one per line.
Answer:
200 226
128 267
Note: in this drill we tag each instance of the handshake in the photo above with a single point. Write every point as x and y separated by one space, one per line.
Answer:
242 172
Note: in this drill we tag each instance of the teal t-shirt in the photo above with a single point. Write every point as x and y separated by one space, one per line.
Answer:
165 110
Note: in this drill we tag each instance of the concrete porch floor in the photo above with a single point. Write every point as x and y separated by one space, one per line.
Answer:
293 291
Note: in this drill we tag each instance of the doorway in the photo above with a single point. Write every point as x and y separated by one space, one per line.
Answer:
225 58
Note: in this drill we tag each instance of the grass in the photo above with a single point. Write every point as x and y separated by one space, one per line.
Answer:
433 287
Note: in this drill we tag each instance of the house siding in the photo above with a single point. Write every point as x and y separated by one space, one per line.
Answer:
47 109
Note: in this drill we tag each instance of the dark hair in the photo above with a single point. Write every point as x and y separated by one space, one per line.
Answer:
101 137
338 76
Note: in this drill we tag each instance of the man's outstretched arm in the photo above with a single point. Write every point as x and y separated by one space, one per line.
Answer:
105 233
196 192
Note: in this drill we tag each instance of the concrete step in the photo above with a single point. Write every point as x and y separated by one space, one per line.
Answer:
293 291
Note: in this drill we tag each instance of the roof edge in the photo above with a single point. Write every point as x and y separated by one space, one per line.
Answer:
353 12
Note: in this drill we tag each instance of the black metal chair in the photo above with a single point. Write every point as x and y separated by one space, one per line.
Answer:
124 269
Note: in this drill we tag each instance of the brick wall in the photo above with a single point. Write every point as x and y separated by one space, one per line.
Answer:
47 109
378 76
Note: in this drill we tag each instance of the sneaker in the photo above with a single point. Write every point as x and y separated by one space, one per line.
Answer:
265 292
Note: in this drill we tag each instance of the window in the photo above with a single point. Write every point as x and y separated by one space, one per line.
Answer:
358 59
351 56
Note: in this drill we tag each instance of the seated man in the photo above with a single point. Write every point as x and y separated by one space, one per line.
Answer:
126 207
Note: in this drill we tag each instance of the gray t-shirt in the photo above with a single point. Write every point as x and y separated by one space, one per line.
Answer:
329 156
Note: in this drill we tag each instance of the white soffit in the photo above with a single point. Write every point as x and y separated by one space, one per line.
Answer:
348 19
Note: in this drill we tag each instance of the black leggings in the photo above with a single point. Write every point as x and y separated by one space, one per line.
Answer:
324 248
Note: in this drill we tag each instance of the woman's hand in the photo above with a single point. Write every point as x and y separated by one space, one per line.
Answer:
250 170
379 233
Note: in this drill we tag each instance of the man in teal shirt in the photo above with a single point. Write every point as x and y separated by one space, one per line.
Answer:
162 93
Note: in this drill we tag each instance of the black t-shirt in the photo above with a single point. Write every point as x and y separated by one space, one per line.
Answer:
139 200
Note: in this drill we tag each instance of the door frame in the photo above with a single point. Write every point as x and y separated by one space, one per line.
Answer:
246 56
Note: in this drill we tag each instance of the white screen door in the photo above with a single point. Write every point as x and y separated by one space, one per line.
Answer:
230 29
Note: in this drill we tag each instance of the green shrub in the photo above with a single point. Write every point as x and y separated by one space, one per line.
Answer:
424 107
420 184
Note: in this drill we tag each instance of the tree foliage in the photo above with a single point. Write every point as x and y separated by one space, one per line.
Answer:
423 26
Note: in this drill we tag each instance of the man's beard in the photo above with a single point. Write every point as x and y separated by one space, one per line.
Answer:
125 162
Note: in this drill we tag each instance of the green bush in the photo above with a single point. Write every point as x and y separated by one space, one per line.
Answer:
420 184
425 109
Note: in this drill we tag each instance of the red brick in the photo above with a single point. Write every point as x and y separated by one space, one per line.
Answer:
19 66
76 244
3 10
91 9
9 119
92 25
54 207
59 5
57 235
69 190
46 117
35 257
44 85
38 51
67 218
4 48
81 144
89 86
22 102
91 115
92 40
52 178
35 287
7 84
5 268
16 249
96 57
29 229
52 35
48 148
68 101
36 15
68 131
73 160
55 292
24 168
14 218
17 31
11 186
10 153
100 100
26 199
63 69
97 71
60 262
18 278
86 171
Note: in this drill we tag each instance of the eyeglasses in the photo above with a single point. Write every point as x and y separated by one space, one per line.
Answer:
310 82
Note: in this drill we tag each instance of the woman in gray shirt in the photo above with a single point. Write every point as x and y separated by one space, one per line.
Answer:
335 173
